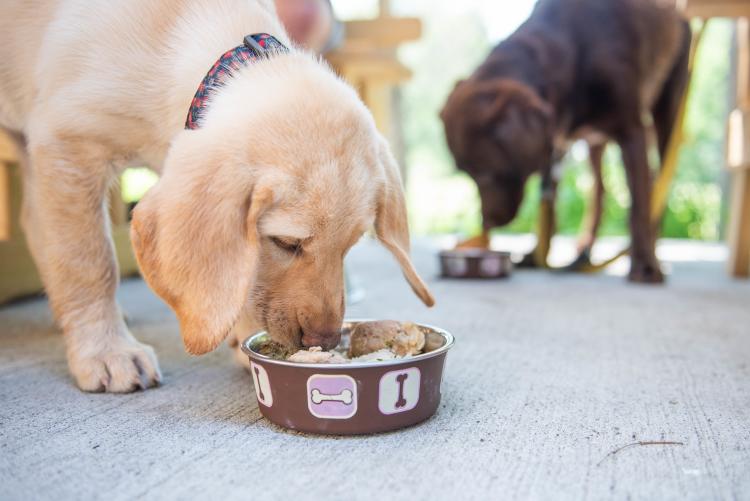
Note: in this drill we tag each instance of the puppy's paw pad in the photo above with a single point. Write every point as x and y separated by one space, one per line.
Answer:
124 367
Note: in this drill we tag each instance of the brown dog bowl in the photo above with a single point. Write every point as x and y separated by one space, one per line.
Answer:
475 263
353 398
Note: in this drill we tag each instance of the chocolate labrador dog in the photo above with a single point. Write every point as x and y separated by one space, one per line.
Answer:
577 69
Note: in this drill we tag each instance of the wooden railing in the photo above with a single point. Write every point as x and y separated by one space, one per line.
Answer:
367 60
19 276
7 155
715 8
738 144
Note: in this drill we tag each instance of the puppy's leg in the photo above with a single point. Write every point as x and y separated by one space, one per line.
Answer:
594 214
67 226
644 265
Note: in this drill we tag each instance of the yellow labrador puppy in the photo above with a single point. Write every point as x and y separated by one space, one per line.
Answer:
279 172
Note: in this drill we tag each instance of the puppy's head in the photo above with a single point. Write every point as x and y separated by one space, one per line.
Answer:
500 132
255 211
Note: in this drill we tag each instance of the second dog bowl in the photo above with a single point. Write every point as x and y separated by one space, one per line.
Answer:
475 263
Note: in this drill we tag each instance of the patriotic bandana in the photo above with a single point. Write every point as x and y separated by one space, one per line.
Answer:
258 46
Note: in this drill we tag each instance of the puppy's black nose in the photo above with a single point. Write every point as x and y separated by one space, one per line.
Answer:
326 340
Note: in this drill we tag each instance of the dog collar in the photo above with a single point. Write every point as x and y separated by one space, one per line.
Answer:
254 48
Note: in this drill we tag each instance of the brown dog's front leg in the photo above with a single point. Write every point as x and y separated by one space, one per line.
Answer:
537 258
644 265
594 213
594 216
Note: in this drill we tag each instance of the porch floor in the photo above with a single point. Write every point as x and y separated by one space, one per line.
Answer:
552 375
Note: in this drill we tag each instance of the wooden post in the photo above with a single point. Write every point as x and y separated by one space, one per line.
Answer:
384 6
714 8
367 60
4 202
7 155
17 268
738 150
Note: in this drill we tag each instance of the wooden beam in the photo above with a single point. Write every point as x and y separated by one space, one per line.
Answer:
5 216
7 149
367 68
739 224
384 6
715 8
380 33
739 217
17 269
7 156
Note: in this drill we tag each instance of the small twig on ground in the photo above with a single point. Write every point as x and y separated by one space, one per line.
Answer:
634 444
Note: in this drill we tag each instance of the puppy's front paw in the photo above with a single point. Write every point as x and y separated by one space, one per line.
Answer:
646 272
115 363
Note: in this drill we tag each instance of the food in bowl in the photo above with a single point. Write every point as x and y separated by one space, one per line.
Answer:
375 392
316 355
402 339
374 341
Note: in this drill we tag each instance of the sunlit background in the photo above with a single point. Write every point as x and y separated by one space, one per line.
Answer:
457 36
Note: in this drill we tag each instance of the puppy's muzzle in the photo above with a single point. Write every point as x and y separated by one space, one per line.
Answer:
325 339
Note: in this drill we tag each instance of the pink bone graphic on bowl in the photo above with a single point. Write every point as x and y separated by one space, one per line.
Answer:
345 397
260 391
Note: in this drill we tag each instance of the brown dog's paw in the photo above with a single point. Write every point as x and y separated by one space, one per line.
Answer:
645 272
528 262
581 264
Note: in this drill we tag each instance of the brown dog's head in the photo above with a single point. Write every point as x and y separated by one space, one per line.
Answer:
500 132
255 211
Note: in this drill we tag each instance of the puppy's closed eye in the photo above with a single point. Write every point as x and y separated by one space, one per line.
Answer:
288 244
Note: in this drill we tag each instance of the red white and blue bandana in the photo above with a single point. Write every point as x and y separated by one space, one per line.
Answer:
258 46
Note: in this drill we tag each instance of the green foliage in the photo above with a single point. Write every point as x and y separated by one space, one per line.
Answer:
444 200
136 182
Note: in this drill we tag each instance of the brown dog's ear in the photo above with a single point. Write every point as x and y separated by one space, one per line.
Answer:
520 121
444 110
503 98
196 241
391 224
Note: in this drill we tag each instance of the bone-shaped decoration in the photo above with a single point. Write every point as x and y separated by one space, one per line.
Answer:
345 397
261 396
401 379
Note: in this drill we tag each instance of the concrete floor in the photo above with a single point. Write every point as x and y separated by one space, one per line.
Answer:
550 377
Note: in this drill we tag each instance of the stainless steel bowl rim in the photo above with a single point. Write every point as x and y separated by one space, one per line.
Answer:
449 341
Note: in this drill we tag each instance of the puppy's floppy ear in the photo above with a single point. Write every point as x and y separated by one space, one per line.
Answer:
391 224
196 241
